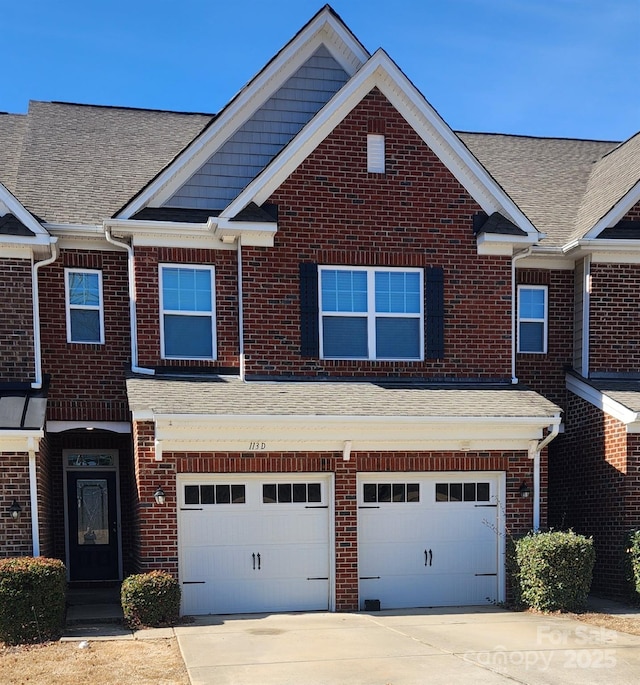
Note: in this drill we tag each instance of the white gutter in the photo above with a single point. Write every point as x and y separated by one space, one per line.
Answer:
133 318
37 351
33 496
240 312
514 307
537 449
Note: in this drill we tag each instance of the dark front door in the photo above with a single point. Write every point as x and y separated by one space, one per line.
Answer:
93 525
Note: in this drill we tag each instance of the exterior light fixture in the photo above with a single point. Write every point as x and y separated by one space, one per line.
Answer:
524 489
159 496
15 510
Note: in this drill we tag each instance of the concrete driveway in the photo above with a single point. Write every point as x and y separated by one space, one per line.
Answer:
413 647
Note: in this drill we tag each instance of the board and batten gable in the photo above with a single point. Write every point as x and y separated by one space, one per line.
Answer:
263 135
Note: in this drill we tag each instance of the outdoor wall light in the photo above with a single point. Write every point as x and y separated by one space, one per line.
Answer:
524 489
159 496
15 510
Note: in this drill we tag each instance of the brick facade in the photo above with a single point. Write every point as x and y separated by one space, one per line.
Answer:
15 535
17 357
158 542
593 470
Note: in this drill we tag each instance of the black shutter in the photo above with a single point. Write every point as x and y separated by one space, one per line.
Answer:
309 333
434 300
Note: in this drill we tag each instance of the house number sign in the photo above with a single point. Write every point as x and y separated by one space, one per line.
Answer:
257 446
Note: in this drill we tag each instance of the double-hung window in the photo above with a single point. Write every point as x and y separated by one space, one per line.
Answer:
187 312
532 318
371 313
85 312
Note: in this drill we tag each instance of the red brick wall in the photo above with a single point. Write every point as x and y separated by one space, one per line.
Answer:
545 373
16 321
147 292
614 318
15 535
45 499
157 526
588 484
331 211
632 493
87 380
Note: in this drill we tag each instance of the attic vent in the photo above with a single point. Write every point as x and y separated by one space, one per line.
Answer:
375 153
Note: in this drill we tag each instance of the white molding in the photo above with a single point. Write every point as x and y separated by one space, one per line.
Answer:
323 29
380 71
602 401
255 234
15 250
20 441
15 207
235 433
499 245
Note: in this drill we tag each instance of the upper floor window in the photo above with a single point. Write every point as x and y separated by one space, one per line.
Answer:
532 318
187 312
371 313
85 314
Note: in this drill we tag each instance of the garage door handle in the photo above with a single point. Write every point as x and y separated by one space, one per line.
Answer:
428 558
253 556
258 561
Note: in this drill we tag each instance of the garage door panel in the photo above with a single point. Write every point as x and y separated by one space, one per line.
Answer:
258 554
438 551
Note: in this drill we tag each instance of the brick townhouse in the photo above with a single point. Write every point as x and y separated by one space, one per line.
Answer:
317 351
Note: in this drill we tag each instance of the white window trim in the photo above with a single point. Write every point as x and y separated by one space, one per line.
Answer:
371 314
212 313
544 321
376 153
68 306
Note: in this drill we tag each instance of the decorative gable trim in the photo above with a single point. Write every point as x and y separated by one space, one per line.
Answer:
616 213
9 204
381 72
327 29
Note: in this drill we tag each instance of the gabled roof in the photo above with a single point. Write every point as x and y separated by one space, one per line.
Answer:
17 221
326 30
613 188
546 177
381 72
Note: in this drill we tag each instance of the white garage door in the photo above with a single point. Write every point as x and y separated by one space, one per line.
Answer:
429 540
254 543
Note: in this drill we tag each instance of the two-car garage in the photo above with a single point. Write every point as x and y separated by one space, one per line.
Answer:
266 542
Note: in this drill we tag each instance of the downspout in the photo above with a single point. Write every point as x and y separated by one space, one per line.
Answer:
35 299
514 307
133 318
33 495
537 449
240 312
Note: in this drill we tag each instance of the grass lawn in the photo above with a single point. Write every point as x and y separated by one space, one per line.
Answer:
112 662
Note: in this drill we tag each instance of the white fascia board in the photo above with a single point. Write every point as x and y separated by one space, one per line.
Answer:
602 401
324 29
15 207
329 433
499 245
19 441
168 233
380 71
257 234
617 212
609 251
11 250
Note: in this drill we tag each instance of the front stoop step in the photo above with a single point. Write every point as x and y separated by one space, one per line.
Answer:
84 614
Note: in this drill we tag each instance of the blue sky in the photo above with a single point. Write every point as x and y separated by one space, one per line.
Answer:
566 68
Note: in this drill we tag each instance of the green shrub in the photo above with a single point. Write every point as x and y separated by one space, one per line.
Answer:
555 570
32 599
633 564
150 599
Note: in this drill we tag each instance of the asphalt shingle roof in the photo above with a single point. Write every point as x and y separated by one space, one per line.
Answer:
231 396
12 128
81 163
626 393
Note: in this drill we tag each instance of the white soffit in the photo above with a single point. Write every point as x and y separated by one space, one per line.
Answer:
602 401
381 72
324 29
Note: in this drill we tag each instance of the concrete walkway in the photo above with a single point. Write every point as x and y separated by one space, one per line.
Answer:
412 647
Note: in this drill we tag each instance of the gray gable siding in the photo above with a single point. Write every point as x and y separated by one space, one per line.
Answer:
262 137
